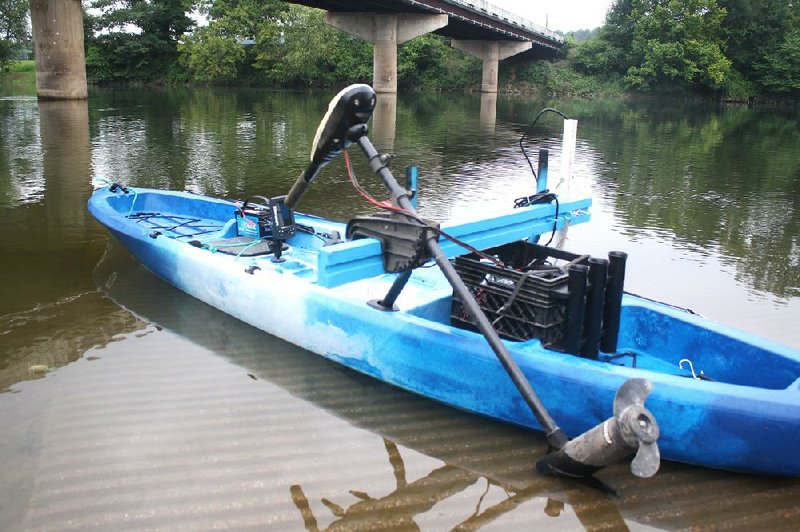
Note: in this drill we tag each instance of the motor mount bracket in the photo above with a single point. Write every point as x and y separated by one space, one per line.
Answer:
403 238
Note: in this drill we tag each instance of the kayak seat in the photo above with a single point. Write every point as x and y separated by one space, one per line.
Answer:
228 230
241 246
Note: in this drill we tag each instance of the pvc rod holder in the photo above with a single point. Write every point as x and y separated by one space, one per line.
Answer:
598 270
576 305
613 307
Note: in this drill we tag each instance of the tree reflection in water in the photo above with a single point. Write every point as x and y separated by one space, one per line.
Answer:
398 509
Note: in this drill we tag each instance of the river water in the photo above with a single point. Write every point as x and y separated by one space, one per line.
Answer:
125 404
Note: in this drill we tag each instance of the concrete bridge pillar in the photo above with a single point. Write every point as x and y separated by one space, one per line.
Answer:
385 32
491 52
58 42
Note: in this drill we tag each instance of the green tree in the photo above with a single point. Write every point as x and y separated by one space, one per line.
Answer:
660 44
584 35
138 39
233 35
755 30
244 18
429 62
677 41
780 72
14 31
302 50
210 56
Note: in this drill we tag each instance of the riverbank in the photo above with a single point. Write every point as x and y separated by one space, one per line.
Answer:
541 79
19 80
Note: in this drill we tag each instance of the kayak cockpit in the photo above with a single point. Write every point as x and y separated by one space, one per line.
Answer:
665 339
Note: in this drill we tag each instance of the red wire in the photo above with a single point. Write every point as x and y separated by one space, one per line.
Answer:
388 206
382 204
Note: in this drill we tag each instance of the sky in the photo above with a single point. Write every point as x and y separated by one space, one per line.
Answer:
563 15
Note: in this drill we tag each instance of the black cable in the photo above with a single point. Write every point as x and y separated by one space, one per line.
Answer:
544 196
311 231
555 223
528 130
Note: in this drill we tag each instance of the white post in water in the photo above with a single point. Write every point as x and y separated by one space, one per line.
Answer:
568 142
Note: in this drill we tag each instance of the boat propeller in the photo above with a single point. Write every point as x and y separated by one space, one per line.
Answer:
632 429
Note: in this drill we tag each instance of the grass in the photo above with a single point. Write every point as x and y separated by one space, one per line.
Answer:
19 80
19 67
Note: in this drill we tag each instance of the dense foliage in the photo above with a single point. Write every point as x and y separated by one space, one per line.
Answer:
14 32
267 43
134 40
739 48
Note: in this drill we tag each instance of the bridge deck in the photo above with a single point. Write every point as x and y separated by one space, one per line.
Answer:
468 19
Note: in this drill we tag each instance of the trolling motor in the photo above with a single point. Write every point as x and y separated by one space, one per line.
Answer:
352 106
632 428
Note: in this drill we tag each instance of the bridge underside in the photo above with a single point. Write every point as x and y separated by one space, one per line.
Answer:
388 24
461 23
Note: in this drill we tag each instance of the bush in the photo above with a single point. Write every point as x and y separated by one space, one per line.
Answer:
737 88
428 62
559 79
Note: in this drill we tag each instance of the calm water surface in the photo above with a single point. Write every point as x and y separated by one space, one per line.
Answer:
158 412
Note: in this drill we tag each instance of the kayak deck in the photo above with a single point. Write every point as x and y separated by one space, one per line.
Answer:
187 217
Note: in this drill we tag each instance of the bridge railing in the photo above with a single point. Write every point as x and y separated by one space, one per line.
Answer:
482 7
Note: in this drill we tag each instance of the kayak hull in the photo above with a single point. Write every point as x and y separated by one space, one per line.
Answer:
747 419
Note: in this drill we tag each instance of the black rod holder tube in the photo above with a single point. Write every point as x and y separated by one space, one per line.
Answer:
541 178
555 436
593 322
576 304
613 307
388 301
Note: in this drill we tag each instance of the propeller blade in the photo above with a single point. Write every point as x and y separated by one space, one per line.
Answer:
632 392
647 460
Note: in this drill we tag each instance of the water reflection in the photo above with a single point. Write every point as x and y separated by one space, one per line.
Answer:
705 199
21 167
64 127
384 122
488 118
477 464
724 180
44 182
405 507
55 334
442 469
708 180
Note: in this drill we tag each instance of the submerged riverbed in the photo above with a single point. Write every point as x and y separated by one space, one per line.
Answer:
127 404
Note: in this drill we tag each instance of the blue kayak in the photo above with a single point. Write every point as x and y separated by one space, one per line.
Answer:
505 328
744 415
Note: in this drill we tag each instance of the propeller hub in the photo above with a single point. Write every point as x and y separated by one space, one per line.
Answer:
637 425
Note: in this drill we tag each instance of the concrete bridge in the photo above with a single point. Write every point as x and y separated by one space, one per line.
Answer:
474 26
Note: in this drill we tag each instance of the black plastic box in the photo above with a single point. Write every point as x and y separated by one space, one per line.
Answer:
538 310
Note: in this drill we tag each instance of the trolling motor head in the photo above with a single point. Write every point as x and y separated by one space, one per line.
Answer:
632 429
353 106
